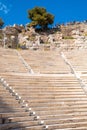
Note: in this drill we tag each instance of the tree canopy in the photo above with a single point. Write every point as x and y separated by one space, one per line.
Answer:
40 17
1 23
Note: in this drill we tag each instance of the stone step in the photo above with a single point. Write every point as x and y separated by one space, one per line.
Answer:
7 109
67 125
62 111
15 119
16 114
64 116
47 92
18 125
79 128
61 90
29 128
61 107
49 104
59 100
48 95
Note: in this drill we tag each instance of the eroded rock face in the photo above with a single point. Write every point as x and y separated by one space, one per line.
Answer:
10 37
19 28
10 31
71 36
1 37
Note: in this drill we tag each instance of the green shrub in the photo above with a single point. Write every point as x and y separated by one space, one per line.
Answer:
1 36
85 34
68 37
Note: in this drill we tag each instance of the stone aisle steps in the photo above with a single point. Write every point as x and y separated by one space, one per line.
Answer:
12 115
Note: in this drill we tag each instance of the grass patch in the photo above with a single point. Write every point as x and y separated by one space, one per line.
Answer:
68 37
85 34
1 36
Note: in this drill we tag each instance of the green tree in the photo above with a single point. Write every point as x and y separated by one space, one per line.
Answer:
1 23
40 17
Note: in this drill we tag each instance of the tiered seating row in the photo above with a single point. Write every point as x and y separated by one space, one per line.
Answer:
45 62
9 62
59 101
12 115
78 60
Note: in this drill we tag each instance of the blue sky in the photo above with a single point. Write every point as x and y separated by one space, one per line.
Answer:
15 11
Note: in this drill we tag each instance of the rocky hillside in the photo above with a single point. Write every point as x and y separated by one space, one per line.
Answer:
70 36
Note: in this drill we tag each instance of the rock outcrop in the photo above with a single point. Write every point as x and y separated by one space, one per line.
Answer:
72 35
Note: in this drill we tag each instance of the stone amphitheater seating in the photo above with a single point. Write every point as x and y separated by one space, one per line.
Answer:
78 60
47 62
12 115
9 62
52 98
